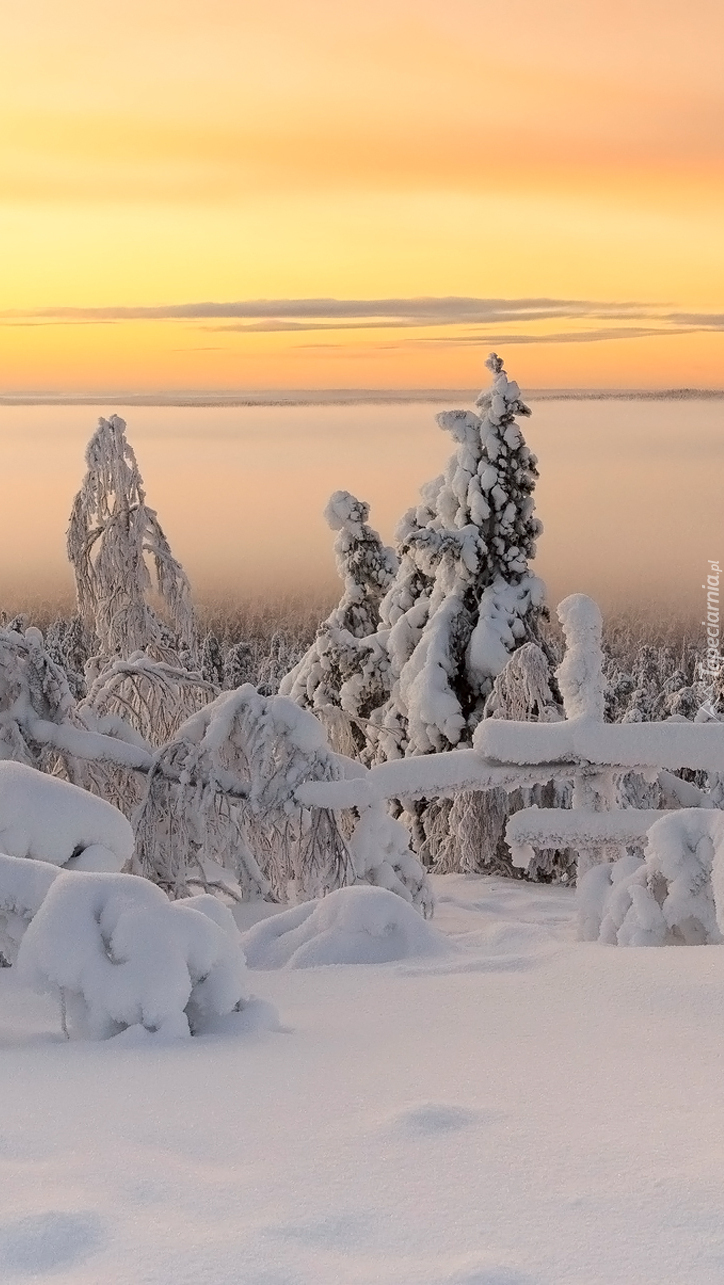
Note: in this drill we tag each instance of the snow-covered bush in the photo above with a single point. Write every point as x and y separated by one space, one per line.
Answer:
70 644
350 926
380 848
41 725
120 957
112 535
47 819
24 884
32 688
676 894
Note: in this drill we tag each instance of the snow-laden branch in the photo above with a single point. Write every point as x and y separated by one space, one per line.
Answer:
425 777
89 746
573 827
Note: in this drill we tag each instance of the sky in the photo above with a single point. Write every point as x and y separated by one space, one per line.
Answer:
242 195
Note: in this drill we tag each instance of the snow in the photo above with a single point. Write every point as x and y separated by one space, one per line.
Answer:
48 819
526 1110
351 926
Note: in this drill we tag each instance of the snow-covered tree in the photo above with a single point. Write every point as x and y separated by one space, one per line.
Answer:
221 798
343 675
33 691
212 660
238 666
112 536
473 841
154 697
463 597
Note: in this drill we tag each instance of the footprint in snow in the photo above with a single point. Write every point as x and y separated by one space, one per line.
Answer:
428 1119
47 1242
488 1274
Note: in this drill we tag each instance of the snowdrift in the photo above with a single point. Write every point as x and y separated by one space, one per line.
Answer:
358 925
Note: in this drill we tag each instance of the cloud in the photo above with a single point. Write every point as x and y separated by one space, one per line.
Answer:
597 320
452 309
556 337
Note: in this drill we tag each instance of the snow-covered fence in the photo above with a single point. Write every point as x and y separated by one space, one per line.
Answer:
581 748
587 832
603 752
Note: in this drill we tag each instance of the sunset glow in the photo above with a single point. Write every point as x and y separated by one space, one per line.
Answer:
559 160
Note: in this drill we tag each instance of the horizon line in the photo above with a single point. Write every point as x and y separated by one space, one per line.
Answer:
206 399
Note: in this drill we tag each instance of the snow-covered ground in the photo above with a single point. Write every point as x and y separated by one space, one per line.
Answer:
513 1109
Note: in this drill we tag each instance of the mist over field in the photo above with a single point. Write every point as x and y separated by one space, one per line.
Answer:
626 495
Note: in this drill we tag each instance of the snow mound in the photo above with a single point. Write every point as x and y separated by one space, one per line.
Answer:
47 819
119 955
358 925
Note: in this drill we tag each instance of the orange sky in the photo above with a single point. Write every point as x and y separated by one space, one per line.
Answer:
562 158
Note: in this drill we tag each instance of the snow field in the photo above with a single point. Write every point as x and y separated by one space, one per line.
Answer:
524 1110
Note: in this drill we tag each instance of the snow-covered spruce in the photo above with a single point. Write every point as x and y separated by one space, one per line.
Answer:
343 675
121 958
111 535
47 819
463 598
